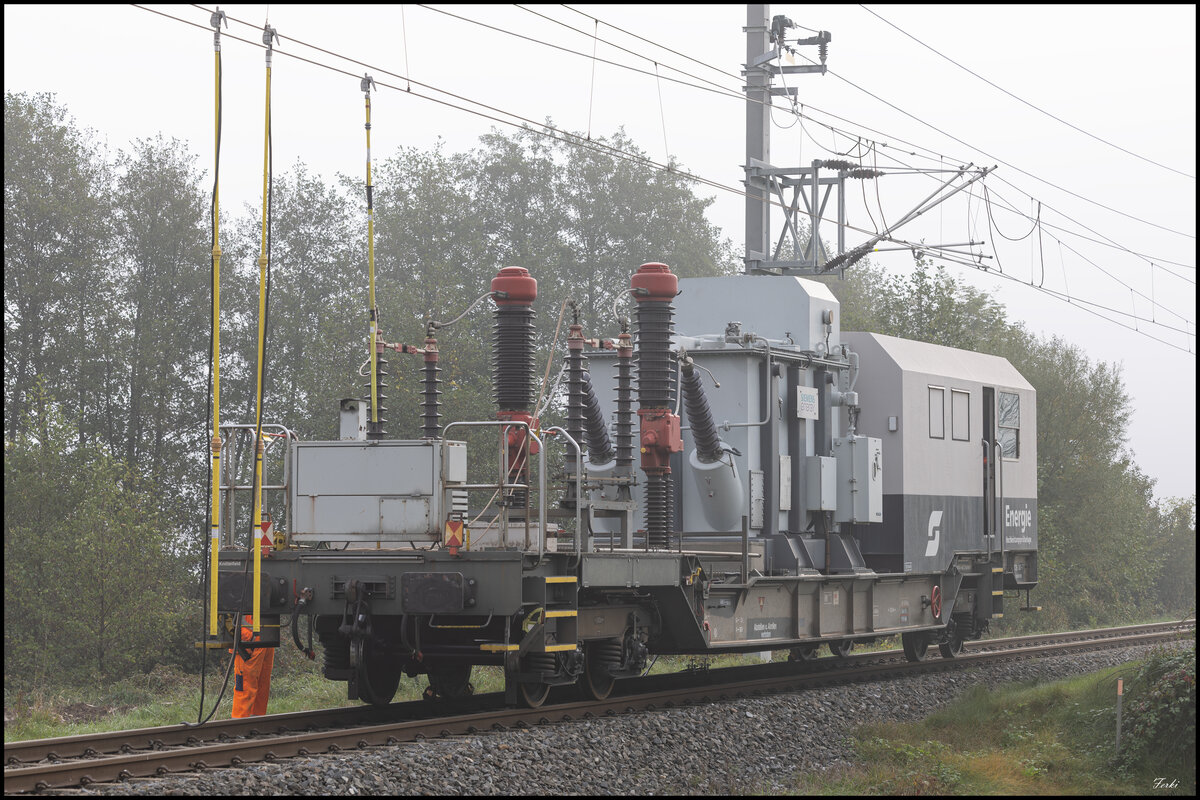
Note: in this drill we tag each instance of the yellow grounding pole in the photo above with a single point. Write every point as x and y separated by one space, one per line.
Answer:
268 35
372 312
215 441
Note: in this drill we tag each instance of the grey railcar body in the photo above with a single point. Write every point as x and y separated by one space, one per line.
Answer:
791 493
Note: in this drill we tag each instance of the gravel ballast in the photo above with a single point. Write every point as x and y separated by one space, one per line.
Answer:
734 747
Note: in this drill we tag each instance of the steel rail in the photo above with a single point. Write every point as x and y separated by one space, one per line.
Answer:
783 677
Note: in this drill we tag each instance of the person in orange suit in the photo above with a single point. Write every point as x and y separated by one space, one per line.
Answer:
251 676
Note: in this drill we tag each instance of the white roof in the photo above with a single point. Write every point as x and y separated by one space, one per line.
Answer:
936 359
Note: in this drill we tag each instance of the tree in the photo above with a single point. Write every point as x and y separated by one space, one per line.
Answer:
57 239
317 313
88 569
1174 546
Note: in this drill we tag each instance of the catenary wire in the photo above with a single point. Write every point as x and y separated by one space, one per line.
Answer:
570 139
988 204
1000 160
566 138
1026 102
740 97
923 122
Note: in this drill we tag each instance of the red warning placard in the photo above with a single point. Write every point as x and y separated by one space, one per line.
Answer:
454 533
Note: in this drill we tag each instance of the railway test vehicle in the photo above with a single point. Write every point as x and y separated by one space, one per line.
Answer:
736 474
819 488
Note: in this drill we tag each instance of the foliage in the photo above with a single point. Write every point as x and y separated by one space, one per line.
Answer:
1174 546
59 300
1016 739
1160 717
88 573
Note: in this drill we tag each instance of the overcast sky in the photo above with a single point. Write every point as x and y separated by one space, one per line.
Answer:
1121 73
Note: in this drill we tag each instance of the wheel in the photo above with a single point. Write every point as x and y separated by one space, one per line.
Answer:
841 648
450 681
804 652
533 694
377 679
952 648
916 645
598 681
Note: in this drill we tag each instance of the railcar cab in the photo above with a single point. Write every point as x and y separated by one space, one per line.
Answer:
959 432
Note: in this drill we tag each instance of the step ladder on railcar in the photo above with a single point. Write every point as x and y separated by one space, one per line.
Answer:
548 651
996 590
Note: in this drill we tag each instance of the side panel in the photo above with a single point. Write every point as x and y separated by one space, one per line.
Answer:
934 528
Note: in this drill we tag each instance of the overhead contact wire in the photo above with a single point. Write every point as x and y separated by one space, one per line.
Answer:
566 138
1026 102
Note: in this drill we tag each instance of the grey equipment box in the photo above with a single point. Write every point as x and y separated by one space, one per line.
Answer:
859 479
390 490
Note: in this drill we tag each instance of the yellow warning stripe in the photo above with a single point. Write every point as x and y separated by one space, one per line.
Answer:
562 614
562 579
998 594
491 648
558 648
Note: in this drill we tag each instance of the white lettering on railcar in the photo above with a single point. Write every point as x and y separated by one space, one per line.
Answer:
1018 517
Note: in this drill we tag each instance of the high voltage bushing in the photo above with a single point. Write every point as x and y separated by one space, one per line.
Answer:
654 288
623 430
514 292
600 449
575 395
375 430
659 510
431 405
704 430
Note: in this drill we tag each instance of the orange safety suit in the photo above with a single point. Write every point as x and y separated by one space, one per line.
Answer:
252 677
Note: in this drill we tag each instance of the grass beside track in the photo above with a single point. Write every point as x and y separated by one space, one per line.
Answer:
168 696
1020 739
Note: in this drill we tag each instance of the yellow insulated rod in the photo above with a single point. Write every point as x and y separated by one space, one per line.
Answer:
215 441
268 36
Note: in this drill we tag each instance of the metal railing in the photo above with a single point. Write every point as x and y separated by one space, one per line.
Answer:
502 484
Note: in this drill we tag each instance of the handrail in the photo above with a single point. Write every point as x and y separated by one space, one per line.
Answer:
429 622
999 449
541 476
987 538
578 486
230 488
746 548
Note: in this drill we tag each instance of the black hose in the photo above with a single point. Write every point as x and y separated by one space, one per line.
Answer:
309 652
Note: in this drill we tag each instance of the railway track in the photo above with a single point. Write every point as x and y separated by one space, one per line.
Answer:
107 757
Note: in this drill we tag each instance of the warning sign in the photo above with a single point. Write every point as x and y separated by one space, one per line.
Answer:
267 540
455 535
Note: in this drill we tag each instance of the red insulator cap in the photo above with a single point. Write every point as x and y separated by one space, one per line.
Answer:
654 281
519 288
